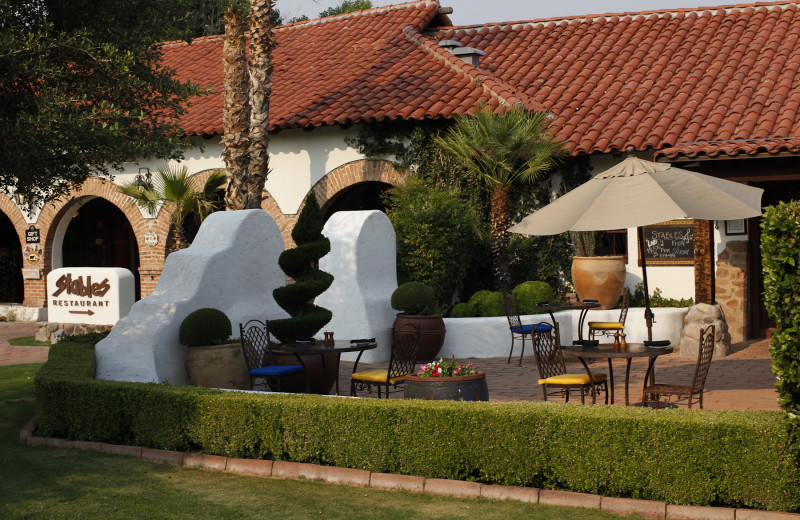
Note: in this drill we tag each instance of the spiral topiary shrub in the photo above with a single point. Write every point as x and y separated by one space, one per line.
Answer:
413 298
492 305
205 326
530 294
300 263
464 310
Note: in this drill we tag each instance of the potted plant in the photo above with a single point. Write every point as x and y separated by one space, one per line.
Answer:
598 278
447 380
415 301
212 359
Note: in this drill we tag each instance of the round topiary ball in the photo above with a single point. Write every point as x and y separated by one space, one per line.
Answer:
204 327
464 310
530 294
492 305
412 298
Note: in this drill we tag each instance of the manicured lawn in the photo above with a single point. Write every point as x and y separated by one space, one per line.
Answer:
44 482
27 341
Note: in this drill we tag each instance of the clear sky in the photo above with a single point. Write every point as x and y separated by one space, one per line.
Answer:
469 12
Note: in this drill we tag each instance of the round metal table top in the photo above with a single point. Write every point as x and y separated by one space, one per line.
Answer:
564 307
607 350
319 348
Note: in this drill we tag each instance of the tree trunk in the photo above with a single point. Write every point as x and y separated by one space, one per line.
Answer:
261 44
235 110
501 220
703 262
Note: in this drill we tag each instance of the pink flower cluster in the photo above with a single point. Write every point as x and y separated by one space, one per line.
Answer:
449 368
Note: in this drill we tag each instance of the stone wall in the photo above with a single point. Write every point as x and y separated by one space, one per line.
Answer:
732 288
50 332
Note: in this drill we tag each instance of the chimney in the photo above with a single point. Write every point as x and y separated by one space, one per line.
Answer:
467 54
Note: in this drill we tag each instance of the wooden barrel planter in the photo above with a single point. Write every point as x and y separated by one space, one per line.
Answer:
459 388
431 334
217 366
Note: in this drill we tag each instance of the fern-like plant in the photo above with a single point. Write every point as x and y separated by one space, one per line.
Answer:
302 265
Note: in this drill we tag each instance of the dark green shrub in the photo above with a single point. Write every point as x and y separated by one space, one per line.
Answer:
435 236
676 456
90 337
656 299
530 294
300 263
205 326
780 258
414 298
478 297
464 310
492 305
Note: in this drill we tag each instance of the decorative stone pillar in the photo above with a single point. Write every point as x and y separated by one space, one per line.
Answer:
703 262
732 288
699 317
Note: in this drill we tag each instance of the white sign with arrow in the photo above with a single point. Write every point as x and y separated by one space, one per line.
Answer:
94 295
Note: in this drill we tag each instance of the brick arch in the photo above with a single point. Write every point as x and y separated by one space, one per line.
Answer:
339 179
331 186
10 209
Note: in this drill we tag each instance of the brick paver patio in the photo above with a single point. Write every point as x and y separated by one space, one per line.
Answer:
740 381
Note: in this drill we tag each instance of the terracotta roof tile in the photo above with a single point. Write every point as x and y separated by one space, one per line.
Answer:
657 78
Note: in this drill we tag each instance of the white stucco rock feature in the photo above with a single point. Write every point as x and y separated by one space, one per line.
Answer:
363 262
232 265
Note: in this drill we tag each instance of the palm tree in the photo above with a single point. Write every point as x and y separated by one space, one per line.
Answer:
236 108
262 41
173 189
504 150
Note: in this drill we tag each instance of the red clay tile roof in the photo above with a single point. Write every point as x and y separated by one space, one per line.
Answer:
660 79
370 65
689 82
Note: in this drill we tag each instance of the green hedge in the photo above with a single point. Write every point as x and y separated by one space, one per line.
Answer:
730 458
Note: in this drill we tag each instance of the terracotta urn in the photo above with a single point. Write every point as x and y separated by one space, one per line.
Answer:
600 278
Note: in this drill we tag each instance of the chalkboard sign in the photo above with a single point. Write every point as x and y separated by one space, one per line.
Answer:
669 243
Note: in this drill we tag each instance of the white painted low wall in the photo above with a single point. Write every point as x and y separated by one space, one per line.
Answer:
490 337
24 313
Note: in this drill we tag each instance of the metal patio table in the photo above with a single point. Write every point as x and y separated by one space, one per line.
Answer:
583 307
627 352
338 347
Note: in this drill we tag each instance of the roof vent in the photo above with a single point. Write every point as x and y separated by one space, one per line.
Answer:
469 55
449 44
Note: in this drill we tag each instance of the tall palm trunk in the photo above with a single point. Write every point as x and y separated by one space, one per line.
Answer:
262 42
501 221
236 110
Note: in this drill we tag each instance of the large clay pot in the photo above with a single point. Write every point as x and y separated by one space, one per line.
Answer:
599 278
431 334
459 388
218 366
320 384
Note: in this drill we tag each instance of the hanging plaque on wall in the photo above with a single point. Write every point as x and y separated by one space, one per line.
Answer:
669 243
31 235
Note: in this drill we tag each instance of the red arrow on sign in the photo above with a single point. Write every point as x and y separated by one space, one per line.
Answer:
89 312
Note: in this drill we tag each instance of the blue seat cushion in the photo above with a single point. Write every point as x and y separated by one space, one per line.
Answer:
275 371
528 329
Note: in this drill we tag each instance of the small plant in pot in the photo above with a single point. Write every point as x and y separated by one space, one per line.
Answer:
449 380
416 302
212 359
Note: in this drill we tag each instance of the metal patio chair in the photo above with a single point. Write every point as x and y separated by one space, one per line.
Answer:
518 330
402 361
609 328
257 349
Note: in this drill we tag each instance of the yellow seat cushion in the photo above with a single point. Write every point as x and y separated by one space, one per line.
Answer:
572 379
376 376
606 325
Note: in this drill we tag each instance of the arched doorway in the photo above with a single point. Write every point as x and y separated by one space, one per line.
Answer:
360 196
99 235
11 288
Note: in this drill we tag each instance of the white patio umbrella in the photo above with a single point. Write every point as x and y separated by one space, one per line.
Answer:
637 193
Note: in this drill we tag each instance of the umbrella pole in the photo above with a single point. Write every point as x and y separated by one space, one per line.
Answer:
648 314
